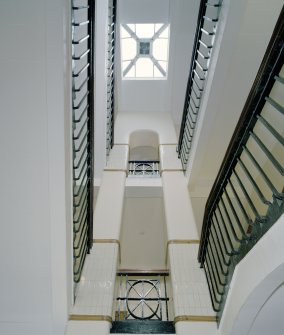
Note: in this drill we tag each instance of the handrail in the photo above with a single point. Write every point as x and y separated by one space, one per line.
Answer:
202 50
83 132
111 74
243 173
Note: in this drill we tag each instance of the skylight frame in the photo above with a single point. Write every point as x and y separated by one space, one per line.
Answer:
129 70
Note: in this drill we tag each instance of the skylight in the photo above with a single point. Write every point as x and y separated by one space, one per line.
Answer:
144 50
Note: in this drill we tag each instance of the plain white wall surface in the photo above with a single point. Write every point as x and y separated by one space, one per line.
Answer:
145 11
196 328
160 123
179 215
107 223
88 327
33 242
255 279
143 233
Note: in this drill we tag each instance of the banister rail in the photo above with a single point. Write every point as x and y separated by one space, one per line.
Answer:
207 22
82 132
110 73
247 196
143 168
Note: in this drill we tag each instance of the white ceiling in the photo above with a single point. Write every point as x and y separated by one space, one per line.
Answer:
159 95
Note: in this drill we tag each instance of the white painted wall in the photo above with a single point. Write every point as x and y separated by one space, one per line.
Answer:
270 314
161 123
143 233
88 327
257 279
178 209
35 261
145 11
198 206
183 18
196 328
107 223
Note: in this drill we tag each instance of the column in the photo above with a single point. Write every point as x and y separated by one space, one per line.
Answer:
192 305
92 312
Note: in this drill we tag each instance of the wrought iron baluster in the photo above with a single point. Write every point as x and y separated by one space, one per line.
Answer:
247 197
203 44
82 123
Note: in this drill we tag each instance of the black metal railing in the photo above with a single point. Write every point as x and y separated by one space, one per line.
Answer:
207 23
82 122
110 74
247 196
143 169
143 303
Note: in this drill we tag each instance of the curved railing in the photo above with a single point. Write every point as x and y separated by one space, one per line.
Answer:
207 23
247 196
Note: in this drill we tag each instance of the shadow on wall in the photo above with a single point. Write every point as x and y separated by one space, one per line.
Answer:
144 146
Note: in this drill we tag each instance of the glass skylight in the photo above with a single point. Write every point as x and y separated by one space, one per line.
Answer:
144 50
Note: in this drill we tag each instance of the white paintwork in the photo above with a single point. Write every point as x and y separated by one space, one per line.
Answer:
179 214
109 206
144 153
168 158
35 96
33 81
59 121
196 328
190 290
160 123
95 292
198 206
255 280
88 327
143 233
183 19
118 158
143 187
270 314
141 138
145 11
